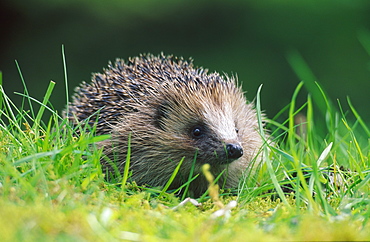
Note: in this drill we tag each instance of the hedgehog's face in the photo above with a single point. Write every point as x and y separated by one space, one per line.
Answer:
211 147
207 123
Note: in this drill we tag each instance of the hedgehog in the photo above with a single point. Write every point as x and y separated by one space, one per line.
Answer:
172 111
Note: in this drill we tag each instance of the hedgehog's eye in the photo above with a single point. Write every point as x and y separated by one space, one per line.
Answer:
197 132
236 130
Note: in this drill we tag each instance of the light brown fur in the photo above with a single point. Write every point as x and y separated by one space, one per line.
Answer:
161 100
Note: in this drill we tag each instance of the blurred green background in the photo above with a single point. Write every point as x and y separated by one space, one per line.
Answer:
247 38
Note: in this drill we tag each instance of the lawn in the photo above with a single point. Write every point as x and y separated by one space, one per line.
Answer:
313 183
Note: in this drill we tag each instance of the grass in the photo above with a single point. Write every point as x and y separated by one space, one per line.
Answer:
312 185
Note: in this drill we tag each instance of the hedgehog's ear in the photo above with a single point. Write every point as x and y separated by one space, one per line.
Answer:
162 114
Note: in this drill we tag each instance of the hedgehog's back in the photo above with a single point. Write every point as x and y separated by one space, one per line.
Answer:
125 86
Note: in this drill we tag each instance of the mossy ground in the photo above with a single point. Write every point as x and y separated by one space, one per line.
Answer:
312 185
103 217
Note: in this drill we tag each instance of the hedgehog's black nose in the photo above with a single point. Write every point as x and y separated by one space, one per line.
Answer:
234 151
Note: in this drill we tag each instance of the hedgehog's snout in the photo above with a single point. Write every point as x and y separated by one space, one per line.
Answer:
233 151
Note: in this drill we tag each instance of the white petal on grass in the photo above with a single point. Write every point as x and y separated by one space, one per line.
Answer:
130 236
105 216
226 211
324 154
98 229
187 200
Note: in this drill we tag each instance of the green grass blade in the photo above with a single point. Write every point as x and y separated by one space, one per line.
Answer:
329 113
310 123
291 131
364 38
127 163
13 117
36 156
44 103
25 90
358 149
38 102
266 152
302 70
65 77
298 165
358 117
174 173
190 176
